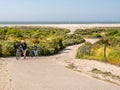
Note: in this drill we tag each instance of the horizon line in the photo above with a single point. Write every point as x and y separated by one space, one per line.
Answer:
59 22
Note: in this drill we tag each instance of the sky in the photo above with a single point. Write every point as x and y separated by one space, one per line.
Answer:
60 10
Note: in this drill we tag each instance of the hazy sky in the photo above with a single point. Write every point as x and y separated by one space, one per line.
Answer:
59 10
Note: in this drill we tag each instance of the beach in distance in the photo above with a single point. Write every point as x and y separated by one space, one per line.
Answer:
72 27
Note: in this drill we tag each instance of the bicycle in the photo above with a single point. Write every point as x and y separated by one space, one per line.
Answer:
33 53
18 53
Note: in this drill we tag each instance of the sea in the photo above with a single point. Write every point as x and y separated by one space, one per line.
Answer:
54 22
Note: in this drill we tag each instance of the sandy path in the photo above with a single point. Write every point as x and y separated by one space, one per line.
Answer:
67 57
47 73
44 74
4 77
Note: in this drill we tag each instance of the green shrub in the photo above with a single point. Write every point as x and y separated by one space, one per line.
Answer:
114 56
44 49
35 41
96 35
113 32
72 39
84 50
97 32
8 48
96 52
0 50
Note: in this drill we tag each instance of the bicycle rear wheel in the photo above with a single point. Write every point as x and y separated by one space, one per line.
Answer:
31 54
18 55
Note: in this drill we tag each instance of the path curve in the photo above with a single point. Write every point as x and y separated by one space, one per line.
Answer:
44 73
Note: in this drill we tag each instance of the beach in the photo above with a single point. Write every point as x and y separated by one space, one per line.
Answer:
71 27
68 26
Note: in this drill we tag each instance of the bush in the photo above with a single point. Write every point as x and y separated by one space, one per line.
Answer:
84 50
95 52
97 32
32 35
7 48
35 41
113 32
72 39
0 50
114 56
96 35
45 49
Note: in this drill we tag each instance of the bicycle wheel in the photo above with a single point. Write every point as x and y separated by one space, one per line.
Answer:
31 54
18 55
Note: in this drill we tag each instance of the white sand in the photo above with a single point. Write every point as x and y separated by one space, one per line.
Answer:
72 27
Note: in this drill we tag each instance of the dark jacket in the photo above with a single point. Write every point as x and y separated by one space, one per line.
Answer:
24 46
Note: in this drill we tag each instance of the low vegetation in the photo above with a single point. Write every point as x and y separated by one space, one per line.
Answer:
71 66
49 40
107 76
72 39
98 32
107 49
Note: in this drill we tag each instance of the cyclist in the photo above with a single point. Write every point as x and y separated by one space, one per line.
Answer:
35 50
24 48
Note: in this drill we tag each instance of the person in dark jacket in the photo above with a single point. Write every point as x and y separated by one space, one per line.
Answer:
24 48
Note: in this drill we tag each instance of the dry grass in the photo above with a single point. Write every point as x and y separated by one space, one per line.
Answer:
105 74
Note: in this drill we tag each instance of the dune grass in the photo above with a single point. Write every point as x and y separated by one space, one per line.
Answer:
97 50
